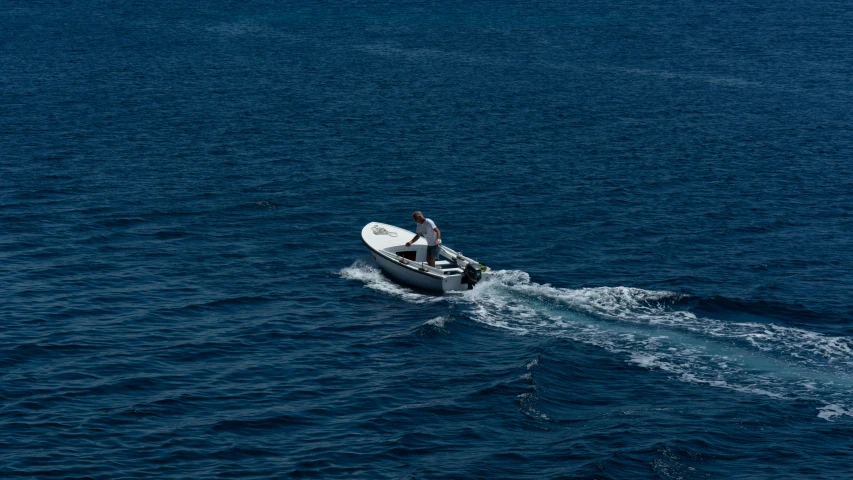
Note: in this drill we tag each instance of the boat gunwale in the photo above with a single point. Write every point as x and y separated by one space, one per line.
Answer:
420 270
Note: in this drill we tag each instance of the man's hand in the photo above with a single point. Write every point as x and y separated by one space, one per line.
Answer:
438 242
408 244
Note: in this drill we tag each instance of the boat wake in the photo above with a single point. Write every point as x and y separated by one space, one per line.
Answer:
373 278
652 330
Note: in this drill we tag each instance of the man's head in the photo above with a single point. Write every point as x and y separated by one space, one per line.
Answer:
419 217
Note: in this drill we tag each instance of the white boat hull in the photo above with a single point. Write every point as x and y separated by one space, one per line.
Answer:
417 278
387 246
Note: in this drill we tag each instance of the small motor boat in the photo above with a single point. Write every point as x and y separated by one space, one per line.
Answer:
452 271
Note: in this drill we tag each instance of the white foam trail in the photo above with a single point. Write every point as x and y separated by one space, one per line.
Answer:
373 278
760 359
749 357
828 412
647 308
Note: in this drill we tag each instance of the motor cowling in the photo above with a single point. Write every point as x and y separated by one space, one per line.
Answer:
472 274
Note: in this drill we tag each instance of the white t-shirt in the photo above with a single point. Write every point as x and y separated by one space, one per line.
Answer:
426 230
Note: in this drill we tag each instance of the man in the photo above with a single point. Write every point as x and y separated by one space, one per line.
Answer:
427 228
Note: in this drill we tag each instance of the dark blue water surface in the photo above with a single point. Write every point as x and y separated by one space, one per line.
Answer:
664 189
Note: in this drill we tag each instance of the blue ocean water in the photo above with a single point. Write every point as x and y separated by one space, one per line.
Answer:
664 189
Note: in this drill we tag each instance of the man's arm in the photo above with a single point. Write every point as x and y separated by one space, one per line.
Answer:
437 236
410 242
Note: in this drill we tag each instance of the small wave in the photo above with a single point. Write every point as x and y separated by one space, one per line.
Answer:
829 412
236 301
168 234
709 78
216 304
527 405
529 368
267 423
433 327
437 322
119 222
721 306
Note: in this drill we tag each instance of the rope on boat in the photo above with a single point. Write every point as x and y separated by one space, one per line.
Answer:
377 230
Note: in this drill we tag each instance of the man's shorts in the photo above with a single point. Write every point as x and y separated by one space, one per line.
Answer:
432 251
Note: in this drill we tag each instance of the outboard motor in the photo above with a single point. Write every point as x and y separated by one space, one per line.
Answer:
472 274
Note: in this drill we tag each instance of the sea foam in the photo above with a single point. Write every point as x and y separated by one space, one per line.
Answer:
752 358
